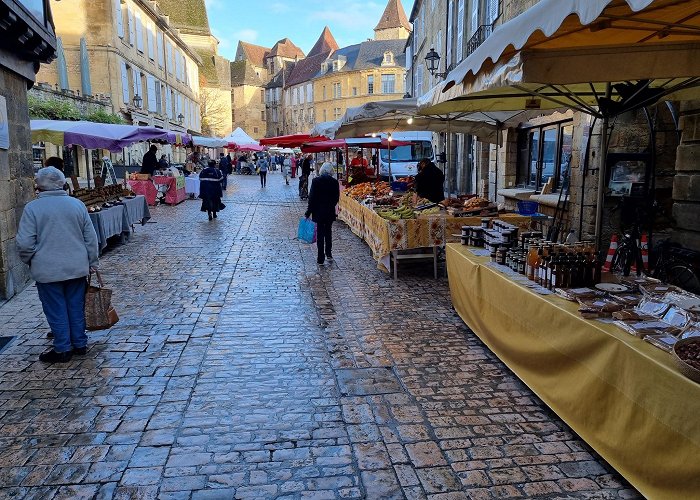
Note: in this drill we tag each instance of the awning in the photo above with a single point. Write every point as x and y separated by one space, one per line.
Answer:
91 135
240 140
355 142
403 115
291 141
325 129
209 142
564 53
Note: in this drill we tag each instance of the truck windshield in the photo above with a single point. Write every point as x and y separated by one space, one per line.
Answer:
414 152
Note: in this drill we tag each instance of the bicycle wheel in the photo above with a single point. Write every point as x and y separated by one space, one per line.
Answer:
622 260
682 276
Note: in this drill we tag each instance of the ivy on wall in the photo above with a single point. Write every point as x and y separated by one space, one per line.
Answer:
54 109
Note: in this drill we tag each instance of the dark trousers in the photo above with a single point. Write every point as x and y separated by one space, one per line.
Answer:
324 239
64 306
224 181
263 179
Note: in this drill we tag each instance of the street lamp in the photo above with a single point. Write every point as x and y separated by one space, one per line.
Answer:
137 101
180 118
432 59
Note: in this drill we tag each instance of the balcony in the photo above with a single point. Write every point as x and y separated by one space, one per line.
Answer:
478 38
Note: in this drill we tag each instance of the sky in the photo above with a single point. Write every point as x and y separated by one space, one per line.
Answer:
267 21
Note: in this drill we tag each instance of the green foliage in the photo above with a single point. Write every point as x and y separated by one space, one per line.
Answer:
54 109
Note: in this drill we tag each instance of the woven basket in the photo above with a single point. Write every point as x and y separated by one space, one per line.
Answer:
683 367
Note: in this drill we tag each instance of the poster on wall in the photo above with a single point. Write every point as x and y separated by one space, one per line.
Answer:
4 128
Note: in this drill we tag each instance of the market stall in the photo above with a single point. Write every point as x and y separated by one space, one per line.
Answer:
136 210
175 188
388 232
620 393
110 222
145 188
192 185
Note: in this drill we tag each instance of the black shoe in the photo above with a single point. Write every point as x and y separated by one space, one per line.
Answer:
80 351
49 335
215 215
329 257
210 217
55 357
319 262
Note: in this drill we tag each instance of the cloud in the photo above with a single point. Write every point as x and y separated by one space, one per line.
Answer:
350 15
246 35
279 8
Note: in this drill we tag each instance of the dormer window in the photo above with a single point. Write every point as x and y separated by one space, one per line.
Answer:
388 58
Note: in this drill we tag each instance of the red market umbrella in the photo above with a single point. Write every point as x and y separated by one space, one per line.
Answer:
290 141
360 142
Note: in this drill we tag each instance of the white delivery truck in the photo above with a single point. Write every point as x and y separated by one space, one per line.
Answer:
404 159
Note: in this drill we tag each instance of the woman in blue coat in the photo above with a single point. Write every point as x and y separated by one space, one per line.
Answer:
210 190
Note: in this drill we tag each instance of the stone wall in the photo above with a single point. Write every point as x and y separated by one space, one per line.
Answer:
85 105
16 182
686 183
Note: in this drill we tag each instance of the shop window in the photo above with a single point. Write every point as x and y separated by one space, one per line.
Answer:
544 153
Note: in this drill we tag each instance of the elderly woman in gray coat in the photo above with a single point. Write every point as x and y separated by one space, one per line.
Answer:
57 240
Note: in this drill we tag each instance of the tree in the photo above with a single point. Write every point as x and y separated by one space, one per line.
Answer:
214 108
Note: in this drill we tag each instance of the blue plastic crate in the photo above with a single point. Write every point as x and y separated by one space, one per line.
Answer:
526 207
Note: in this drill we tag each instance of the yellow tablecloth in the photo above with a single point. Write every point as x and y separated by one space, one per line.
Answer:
383 235
622 395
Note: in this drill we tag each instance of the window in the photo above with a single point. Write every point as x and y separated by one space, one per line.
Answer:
262 95
120 20
418 84
474 16
168 102
388 84
262 115
136 81
409 57
255 130
450 4
324 92
370 84
354 91
169 56
336 113
388 58
309 93
324 116
337 90
159 97
139 33
544 153
492 11
151 90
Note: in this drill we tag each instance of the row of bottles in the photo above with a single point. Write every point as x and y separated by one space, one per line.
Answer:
553 265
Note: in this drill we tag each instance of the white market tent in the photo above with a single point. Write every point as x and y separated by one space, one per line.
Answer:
239 138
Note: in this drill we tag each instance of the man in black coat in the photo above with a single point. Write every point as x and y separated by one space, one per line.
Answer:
150 162
430 181
323 197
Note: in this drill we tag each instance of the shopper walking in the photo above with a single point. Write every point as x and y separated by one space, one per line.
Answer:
294 161
323 197
210 190
57 240
224 167
262 166
285 169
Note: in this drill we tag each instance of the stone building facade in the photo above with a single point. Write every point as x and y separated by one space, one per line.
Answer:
248 99
27 39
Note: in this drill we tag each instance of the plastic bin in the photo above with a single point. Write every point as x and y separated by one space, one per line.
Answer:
526 207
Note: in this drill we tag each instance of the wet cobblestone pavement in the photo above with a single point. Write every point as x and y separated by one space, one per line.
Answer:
240 369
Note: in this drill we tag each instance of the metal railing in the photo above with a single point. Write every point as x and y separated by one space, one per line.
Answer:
479 37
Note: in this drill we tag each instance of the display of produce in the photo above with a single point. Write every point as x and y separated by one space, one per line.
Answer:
403 212
361 191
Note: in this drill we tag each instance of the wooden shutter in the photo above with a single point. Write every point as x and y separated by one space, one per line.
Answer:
132 29
120 19
159 48
151 42
168 103
139 32
151 89
125 84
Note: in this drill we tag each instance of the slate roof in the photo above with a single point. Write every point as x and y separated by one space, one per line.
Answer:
369 54
190 16
394 17
254 53
285 48
278 80
305 69
243 73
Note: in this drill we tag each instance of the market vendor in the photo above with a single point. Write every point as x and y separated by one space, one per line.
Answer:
360 163
430 181
150 162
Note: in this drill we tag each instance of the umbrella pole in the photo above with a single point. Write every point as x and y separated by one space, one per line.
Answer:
601 176
389 151
88 167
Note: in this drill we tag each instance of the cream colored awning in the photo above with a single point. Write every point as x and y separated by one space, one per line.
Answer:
565 52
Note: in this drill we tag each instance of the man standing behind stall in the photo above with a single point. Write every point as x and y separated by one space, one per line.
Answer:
430 181
150 162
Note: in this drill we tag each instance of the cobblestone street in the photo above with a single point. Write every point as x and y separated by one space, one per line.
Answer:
242 369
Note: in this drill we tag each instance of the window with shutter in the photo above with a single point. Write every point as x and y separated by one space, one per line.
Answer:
474 17
126 96
450 16
139 32
120 19
168 103
460 30
169 56
178 67
151 42
136 76
159 48
132 29
492 11
151 90
159 98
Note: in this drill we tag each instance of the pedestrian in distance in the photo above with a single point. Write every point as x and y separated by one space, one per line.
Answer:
286 168
210 190
323 198
224 166
57 240
294 162
263 166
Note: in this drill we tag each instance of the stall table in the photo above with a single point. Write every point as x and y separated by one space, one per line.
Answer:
110 222
176 188
145 188
622 395
136 211
192 186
